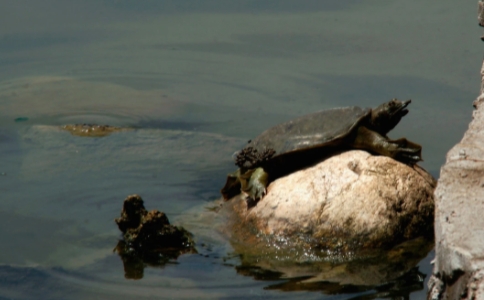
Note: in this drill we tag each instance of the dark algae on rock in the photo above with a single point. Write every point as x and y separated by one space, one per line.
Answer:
148 238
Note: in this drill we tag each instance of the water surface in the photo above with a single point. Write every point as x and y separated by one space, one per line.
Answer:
195 79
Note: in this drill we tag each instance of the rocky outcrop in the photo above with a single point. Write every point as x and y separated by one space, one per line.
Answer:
459 223
345 204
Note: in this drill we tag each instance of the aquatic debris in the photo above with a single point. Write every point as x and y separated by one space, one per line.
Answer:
21 119
91 130
148 238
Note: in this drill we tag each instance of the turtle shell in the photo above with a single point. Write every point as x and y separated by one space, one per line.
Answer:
319 129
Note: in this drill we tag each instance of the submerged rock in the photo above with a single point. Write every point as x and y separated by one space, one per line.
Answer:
344 205
148 238
91 130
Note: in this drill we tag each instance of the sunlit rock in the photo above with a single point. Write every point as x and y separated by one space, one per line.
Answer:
459 268
346 204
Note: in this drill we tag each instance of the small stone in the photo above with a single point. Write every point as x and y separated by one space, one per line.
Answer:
148 238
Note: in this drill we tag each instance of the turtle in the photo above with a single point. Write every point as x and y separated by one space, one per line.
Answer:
311 138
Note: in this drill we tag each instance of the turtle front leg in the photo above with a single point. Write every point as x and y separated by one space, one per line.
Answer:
253 184
401 149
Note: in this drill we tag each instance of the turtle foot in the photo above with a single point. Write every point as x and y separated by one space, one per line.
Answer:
255 188
251 202
409 159
254 195
407 151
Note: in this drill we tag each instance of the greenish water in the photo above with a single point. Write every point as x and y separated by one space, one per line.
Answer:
196 79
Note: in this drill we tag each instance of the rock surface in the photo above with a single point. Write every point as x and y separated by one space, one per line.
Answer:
346 203
148 238
459 223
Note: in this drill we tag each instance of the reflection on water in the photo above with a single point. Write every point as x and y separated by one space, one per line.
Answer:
399 288
410 282
134 263
392 270
196 80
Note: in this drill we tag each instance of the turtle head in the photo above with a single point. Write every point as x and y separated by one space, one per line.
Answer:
387 115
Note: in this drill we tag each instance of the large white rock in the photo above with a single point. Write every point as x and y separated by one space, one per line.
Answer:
459 226
348 202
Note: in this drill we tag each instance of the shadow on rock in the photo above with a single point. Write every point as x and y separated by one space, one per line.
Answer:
148 238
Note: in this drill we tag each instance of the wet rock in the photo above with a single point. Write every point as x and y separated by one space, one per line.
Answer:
344 205
91 130
148 238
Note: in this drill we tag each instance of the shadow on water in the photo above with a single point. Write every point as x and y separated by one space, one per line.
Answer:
398 278
386 274
399 288
398 281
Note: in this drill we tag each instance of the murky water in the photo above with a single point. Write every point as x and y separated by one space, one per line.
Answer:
196 79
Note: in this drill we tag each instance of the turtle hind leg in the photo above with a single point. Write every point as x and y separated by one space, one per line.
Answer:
401 149
232 185
407 151
254 183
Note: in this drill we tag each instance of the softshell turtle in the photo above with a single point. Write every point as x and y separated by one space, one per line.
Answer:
308 139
